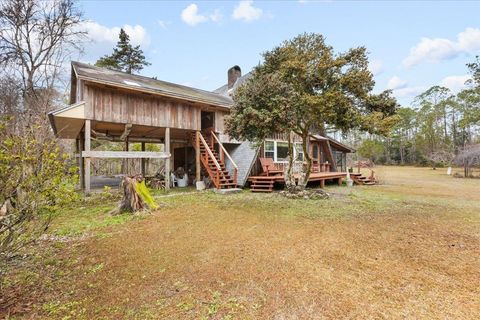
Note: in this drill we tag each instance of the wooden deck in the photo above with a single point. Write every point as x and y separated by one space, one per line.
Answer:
265 183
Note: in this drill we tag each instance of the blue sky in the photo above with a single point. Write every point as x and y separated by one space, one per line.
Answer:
412 45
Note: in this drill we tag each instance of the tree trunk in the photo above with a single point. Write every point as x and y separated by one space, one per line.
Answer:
289 174
307 164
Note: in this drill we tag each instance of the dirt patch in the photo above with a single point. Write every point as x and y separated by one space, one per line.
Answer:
382 252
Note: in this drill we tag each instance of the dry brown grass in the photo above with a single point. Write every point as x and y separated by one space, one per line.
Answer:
409 248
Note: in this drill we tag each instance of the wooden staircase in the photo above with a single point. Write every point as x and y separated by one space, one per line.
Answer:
262 183
214 162
359 179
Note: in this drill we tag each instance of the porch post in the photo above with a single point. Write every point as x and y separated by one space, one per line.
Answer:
87 160
127 161
197 155
81 167
143 160
167 161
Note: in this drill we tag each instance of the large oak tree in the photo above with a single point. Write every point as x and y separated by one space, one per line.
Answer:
302 86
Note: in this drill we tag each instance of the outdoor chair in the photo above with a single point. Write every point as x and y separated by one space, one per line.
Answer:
268 167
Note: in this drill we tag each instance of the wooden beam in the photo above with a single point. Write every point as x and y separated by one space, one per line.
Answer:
167 161
197 156
126 154
333 165
126 131
87 159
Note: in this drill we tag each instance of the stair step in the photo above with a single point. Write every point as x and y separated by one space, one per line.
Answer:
255 186
261 190
263 182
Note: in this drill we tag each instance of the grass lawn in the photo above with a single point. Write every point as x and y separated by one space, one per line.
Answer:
409 248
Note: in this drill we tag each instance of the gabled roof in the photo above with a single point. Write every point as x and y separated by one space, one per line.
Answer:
223 90
149 85
335 143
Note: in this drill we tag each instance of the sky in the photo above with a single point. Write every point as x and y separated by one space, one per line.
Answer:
412 45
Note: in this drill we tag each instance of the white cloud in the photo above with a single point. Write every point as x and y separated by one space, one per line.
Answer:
438 49
163 24
101 34
375 67
191 16
246 11
455 83
409 91
396 83
216 16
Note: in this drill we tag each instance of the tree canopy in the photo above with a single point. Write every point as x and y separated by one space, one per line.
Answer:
303 85
125 57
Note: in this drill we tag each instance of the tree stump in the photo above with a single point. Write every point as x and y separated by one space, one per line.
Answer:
135 196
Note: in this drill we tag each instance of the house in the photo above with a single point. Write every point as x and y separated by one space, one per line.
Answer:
190 123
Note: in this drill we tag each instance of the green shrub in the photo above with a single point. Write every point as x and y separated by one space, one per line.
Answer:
35 179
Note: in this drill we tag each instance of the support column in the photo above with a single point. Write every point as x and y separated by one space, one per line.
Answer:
197 156
127 161
167 161
143 160
87 160
81 163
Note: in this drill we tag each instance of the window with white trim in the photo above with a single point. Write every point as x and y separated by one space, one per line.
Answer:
299 151
269 150
278 151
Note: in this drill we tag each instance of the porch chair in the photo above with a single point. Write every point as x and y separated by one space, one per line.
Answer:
268 167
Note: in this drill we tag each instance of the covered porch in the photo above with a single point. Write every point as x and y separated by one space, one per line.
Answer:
133 144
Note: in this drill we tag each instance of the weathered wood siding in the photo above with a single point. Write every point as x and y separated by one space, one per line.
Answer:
116 106
220 121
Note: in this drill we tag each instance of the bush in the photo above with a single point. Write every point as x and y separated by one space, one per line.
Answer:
35 179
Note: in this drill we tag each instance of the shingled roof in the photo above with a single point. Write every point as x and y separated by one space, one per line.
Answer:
150 85
223 90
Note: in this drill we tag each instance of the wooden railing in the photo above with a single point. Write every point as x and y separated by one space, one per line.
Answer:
215 175
223 152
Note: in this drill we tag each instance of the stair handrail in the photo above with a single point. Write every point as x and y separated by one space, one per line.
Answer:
224 151
210 153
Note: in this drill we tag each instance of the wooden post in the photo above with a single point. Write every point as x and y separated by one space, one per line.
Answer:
127 161
143 160
87 160
197 156
167 161
81 163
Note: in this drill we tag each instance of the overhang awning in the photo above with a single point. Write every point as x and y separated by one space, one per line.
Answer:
334 143
68 122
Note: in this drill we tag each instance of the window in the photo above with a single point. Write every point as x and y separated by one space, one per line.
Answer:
282 151
278 151
315 152
299 151
269 150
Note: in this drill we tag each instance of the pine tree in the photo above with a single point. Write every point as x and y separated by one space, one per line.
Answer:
125 57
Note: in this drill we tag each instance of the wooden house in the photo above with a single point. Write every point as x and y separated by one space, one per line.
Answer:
190 123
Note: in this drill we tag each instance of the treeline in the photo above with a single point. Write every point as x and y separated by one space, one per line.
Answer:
434 130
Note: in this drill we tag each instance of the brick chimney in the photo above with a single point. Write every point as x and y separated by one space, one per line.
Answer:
233 74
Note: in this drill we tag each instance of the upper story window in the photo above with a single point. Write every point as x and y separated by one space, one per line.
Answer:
278 150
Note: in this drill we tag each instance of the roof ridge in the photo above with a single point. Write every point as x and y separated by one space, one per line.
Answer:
144 77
